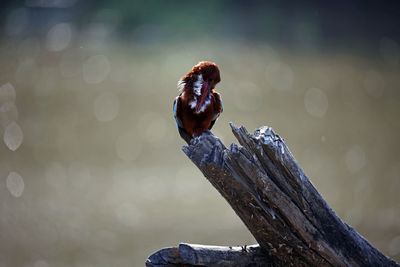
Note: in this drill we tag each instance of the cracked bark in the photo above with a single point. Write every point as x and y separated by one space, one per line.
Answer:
268 190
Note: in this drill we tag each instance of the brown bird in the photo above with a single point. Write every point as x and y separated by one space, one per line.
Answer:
198 105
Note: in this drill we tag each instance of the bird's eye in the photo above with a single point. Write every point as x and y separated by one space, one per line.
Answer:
211 79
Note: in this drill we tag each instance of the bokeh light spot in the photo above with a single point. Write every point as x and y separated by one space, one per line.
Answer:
106 106
355 158
96 69
15 184
13 136
7 93
316 102
59 37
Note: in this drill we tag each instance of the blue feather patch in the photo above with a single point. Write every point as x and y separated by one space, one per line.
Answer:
174 110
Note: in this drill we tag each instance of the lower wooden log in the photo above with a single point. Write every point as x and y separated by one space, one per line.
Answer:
201 255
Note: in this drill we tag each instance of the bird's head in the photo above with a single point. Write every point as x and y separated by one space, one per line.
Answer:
200 80
209 72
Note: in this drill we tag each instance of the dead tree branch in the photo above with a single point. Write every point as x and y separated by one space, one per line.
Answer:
268 190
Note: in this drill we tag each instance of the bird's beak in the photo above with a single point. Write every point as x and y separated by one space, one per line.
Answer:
204 93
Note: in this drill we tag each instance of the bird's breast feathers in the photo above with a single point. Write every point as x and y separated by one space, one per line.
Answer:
193 104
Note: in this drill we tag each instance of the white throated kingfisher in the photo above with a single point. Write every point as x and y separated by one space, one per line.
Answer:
198 105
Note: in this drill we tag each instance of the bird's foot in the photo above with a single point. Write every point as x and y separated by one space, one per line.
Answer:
200 132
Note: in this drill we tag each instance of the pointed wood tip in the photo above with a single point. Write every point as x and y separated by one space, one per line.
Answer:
236 128
165 257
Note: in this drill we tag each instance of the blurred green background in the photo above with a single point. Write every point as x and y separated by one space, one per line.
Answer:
91 167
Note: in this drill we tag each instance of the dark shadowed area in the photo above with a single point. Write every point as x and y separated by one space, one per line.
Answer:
91 167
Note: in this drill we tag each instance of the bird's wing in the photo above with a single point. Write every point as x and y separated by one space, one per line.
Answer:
218 107
177 109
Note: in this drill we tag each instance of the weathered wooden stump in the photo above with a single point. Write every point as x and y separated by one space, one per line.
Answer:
268 190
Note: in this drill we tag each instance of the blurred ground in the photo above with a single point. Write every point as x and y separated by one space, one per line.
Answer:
91 170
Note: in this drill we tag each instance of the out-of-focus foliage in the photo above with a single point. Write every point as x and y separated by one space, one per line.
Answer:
91 172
